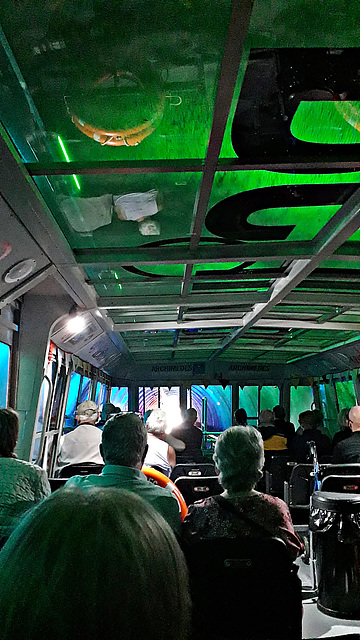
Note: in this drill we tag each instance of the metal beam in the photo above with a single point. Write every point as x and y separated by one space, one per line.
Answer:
232 57
341 226
324 298
228 323
201 347
192 300
123 256
231 299
350 162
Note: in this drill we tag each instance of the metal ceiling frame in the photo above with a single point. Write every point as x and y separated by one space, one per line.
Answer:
303 257
339 228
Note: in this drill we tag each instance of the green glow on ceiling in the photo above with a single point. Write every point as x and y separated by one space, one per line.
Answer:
327 122
300 216
66 155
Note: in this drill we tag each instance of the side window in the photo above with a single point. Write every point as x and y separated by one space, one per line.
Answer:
4 373
301 399
269 397
72 401
120 397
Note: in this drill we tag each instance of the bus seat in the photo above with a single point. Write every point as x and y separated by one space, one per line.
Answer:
276 475
351 469
341 483
193 470
198 488
83 469
255 586
56 483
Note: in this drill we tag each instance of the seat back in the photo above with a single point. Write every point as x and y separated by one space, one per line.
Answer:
258 588
83 469
341 483
56 483
193 470
276 474
198 488
300 485
352 469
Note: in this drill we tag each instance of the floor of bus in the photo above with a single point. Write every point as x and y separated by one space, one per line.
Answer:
317 624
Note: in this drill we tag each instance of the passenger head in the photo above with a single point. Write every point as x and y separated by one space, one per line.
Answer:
87 411
279 412
156 423
107 410
81 563
191 415
308 420
266 417
319 418
124 440
9 432
240 416
354 418
343 418
239 457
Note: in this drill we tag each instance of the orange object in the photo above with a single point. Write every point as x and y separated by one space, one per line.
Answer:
163 481
130 137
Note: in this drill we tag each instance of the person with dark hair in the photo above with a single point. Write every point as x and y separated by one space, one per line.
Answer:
123 447
189 433
83 443
344 426
240 416
93 565
309 424
282 425
240 511
22 484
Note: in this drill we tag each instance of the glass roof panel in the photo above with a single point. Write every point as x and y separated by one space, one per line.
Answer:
327 122
303 222
121 210
116 80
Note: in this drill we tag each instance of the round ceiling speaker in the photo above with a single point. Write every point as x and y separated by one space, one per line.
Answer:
5 249
20 271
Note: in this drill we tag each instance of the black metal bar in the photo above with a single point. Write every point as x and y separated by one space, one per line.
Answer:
233 54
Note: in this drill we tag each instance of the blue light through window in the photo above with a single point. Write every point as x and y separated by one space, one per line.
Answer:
4 373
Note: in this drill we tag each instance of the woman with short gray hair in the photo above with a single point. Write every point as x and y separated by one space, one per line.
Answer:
240 510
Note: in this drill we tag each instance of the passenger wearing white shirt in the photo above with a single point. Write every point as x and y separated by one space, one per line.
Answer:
83 443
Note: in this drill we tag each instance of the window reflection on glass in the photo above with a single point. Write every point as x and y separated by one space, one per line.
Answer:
218 405
97 392
269 397
170 403
4 373
72 401
345 394
148 399
120 398
301 399
248 400
85 389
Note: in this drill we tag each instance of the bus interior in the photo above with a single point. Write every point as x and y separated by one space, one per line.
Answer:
179 210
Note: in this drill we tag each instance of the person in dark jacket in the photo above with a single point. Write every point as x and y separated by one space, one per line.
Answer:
282 425
191 435
300 449
348 450
345 430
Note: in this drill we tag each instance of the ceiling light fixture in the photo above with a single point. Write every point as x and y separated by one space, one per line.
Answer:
19 271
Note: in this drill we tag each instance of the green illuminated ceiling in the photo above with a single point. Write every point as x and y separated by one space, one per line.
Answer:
67 73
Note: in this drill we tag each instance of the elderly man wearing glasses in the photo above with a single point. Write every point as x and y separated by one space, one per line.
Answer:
348 450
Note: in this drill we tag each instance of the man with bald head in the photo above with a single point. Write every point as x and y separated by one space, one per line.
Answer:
348 450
